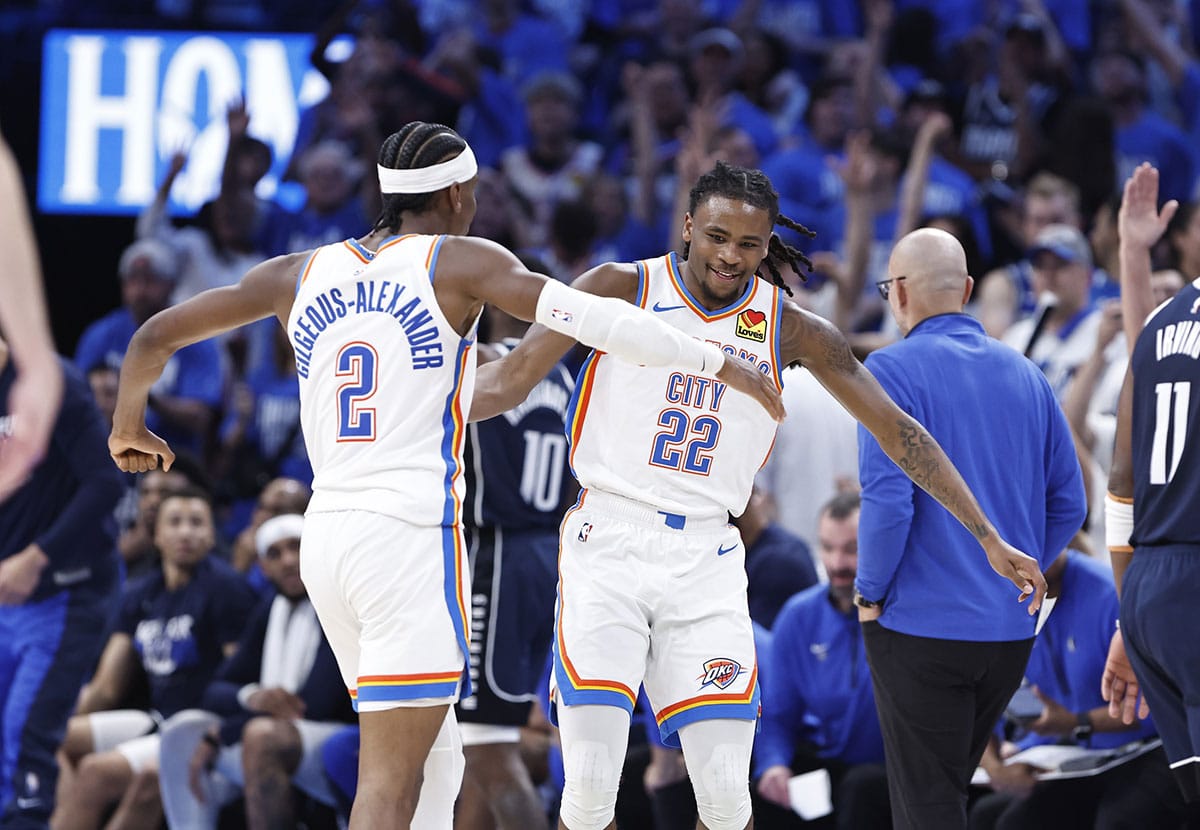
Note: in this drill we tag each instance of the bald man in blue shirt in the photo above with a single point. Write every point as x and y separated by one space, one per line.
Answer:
946 642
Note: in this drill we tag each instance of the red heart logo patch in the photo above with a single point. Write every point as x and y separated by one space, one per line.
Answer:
752 318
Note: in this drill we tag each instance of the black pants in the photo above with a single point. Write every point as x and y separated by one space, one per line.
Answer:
938 702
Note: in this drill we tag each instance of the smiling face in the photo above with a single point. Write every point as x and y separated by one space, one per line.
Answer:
728 240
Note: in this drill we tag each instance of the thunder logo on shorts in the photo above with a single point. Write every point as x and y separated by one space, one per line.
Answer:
720 672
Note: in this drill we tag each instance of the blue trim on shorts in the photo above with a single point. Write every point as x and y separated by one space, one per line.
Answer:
375 694
569 695
668 729
450 585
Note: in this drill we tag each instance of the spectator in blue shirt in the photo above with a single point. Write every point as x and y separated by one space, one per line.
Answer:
269 709
183 403
174 628
818 709
1142 135
946 642
1067 659
58 578
336 196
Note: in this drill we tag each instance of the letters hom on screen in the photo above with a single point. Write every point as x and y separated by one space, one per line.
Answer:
116 105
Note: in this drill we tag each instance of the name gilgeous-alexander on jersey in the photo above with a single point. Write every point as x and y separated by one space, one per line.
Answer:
385 381
685 443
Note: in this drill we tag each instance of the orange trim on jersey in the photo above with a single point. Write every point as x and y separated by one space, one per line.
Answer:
773 337
1120 499
770 449
307 268
678 284
356 252
582 683
392 242
708 700
432 250
460 433
1120 549
584 386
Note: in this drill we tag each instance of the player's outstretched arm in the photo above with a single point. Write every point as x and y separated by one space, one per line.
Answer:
488 273
266 289
35 396
823 349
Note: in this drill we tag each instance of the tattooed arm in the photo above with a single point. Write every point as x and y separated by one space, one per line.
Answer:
821 347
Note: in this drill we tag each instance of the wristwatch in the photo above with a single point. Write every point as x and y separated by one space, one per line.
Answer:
1083 726
863 602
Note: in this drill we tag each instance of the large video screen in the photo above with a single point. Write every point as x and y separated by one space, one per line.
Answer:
117 105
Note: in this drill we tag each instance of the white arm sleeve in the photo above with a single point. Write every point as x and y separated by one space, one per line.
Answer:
624 330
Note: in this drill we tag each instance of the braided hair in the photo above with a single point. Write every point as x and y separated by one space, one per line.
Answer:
754 188
415 145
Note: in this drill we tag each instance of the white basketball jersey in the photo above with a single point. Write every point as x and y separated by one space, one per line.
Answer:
685 443
385 381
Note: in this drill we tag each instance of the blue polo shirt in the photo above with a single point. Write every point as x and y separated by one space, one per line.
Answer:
995 415
817 686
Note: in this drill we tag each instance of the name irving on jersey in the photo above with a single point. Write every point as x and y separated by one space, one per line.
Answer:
385 297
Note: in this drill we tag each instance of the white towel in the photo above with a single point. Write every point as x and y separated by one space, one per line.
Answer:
290 645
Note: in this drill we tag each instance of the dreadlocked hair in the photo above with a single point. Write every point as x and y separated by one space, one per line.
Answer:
415 145
755 189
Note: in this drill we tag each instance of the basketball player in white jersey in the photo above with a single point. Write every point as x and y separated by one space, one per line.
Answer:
652 585
383 333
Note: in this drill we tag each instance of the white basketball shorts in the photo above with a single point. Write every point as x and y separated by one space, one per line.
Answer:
390 598
653 597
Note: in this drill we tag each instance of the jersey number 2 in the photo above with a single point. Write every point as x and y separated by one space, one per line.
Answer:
692 458
1170 414
359 363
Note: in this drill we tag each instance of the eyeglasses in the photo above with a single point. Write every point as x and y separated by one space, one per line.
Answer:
885 286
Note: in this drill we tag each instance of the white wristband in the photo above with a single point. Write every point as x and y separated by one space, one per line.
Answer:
1118 523
244 693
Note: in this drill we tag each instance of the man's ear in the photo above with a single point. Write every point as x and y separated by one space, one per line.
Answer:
687 227
454 194
970 287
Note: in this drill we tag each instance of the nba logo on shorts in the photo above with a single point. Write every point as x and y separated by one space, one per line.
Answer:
584 530
720 672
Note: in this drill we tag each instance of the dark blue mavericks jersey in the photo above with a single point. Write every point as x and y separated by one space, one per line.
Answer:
1166 424
518 475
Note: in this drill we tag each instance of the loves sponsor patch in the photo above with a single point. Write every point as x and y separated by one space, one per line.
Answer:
752 325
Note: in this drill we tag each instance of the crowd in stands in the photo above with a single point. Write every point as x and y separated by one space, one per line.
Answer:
1012 125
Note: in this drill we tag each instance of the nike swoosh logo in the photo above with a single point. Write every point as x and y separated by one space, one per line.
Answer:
658 307
722 551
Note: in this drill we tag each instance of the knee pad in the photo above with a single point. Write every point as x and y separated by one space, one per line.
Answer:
589 798
723 789
443 774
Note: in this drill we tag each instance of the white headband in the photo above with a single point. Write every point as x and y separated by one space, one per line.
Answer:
461 168
274 530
